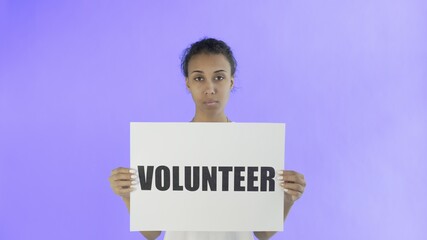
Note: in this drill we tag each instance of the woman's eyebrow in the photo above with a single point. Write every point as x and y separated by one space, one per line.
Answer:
199 71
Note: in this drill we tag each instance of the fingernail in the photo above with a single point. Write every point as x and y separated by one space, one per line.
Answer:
133 176
134 182
132 171
285 190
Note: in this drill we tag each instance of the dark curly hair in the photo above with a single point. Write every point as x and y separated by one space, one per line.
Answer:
209 46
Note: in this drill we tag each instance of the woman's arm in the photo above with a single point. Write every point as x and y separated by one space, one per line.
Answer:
293 184
121 181
147 234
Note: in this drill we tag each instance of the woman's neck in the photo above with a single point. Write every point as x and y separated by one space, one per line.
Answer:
210 118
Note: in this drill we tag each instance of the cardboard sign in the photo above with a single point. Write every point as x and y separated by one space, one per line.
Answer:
207 176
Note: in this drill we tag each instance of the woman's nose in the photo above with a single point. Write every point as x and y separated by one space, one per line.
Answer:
210 88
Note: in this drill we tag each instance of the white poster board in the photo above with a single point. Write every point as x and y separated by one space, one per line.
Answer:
170 197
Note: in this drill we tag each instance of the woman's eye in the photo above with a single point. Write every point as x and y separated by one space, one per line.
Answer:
198 78
219 78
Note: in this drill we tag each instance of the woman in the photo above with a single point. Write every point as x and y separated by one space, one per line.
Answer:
209 67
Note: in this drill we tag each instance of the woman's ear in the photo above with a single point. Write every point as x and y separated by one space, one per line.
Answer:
187 83
232 83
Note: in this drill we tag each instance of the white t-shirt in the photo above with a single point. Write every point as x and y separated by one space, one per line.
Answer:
208 236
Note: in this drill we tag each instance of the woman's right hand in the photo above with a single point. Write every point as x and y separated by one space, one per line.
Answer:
122 180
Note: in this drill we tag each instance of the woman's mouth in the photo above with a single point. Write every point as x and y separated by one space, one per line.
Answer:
210 103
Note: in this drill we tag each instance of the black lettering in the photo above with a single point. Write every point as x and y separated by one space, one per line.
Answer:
225 172
238 178
252 179
209 177
175 177
165 172
267 176
145 180
195 178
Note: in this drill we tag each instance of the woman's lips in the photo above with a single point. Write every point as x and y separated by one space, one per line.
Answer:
211 103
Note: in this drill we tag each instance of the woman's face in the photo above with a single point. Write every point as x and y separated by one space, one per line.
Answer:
209 81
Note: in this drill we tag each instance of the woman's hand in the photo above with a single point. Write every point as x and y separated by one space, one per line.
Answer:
293 184
122 180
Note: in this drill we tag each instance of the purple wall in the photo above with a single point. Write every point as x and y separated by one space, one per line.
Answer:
348 77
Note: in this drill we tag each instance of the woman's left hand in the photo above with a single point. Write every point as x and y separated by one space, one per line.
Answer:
293 183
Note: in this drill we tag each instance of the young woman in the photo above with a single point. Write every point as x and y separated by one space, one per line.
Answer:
209 66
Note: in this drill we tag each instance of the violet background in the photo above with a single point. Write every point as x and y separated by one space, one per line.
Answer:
348 78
